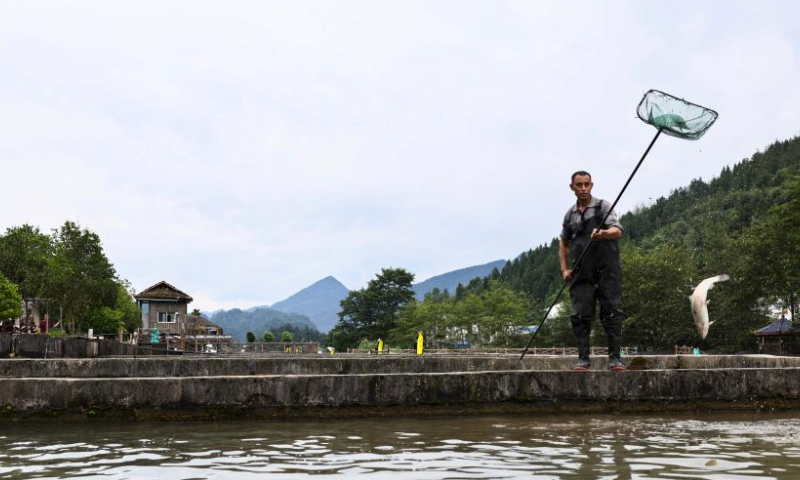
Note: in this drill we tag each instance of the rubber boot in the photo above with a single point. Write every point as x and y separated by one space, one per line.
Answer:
582 330
614 331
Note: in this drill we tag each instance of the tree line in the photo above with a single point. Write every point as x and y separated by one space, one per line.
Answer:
387 309
268 336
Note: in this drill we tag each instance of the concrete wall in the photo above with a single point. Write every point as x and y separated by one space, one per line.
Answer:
188 366
42 346
239 386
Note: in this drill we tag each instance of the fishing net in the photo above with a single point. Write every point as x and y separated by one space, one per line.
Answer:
675 116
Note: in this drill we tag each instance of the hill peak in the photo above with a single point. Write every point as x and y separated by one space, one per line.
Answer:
319 301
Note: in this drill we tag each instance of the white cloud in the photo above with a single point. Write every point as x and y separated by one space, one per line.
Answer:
243 152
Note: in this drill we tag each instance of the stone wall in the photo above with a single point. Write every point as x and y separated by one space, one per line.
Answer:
43 346
182 387
222 365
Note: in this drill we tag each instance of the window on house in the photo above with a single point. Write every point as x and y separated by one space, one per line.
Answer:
167 317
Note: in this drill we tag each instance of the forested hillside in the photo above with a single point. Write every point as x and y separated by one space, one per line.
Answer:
741 223
449 281
237 323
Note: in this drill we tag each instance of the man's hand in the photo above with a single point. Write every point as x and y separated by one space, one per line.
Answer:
566 273
612 233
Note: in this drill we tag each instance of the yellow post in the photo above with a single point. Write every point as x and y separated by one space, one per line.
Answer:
380 346
420 343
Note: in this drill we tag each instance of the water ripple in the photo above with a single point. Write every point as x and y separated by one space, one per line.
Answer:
516 447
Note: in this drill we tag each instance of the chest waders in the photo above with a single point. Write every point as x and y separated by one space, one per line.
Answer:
597 280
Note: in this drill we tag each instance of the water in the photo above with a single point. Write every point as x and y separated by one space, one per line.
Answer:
715 447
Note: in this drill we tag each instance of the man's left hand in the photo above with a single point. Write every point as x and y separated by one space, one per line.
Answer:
612 233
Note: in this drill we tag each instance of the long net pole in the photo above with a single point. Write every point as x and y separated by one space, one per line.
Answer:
586 248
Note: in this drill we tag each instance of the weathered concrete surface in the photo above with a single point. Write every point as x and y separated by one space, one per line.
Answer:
248 385
189 366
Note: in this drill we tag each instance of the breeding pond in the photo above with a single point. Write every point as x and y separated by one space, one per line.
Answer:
731 446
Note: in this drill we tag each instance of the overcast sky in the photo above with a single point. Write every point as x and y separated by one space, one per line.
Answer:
244 150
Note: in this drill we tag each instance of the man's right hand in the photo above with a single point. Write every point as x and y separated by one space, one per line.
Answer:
566 273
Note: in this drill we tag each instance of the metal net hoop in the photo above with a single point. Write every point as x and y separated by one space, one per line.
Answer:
675 116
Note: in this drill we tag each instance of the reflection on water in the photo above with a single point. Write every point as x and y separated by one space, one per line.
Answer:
712 447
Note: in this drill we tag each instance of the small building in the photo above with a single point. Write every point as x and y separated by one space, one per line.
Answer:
199 325
778 338
202 335
163 307
165 321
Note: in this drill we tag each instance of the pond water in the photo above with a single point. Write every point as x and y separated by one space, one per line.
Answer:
730 447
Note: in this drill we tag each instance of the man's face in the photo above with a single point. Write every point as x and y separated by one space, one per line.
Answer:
582 186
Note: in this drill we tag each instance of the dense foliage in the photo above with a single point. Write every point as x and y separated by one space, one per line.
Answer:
494 317
69 270
372 312
10 299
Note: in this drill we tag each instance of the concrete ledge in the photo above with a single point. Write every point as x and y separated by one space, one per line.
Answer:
188 366
417 384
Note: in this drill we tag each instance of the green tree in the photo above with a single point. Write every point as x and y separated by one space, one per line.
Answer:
508 311
411 319
771 250
493 317
372 311
286 336
105 320
268 336
131 316
24 256
123 316
654 298
251 337
10 299
343 335
434 315
81 279
557 330
438 296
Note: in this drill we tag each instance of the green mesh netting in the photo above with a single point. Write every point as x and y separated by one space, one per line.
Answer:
675 116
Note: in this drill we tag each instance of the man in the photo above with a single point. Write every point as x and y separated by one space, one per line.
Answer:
599 275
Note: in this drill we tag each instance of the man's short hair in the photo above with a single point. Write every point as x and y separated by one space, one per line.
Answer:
581 172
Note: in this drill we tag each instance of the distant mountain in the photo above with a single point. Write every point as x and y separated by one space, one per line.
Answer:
253 309
237 323
208 315
450 280
319 302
